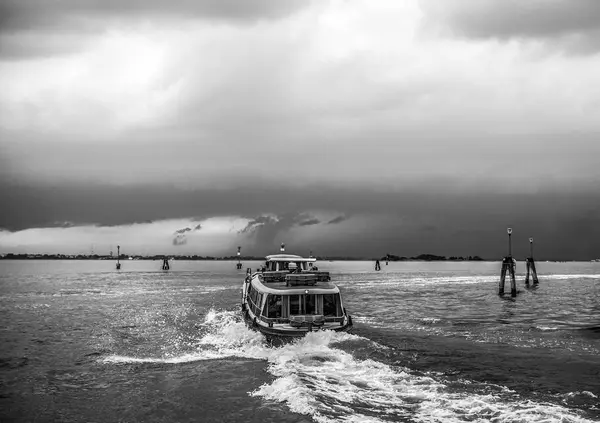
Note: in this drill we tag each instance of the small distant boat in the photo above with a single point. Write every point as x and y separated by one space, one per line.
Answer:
289 298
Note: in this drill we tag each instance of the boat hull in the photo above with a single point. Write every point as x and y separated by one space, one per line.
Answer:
275 334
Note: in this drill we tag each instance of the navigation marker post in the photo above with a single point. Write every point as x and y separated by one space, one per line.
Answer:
239 263
508 265
118 255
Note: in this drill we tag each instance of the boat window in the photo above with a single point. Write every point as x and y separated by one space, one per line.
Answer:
310 304
273 306
295 305
254 300
259 302
330 304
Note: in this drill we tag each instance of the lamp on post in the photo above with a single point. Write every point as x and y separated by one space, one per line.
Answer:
531 247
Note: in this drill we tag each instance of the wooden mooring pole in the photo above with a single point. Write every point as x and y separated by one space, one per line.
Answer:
531 266
118 255
508 265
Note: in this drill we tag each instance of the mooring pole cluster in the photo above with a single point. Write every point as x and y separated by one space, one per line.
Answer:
165 265
238 266
531 266
508 265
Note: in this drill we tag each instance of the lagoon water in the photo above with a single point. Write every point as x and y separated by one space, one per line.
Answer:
432 342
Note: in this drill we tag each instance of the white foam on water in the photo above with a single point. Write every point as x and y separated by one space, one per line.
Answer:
547 328
464 280
582 393
423 281
570 276
430 320
314 376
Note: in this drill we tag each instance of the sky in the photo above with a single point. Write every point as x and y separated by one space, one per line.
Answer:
345 128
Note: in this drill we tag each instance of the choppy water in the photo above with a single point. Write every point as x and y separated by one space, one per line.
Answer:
432 343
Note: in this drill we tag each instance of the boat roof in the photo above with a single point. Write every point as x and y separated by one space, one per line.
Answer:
289 257
279 288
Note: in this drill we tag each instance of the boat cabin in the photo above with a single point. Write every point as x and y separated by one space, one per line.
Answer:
288 306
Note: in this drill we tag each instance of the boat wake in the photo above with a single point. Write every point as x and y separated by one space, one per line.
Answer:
320 376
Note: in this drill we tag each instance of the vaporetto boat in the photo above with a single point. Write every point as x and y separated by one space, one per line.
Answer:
290 297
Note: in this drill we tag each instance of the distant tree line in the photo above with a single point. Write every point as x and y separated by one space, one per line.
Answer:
430 257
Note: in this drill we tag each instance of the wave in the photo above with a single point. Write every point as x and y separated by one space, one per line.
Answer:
319 376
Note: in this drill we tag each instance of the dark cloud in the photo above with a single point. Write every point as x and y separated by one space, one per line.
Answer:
180 234
266 235
265 230
39 28
180 240
257 222
565 222
60 14
517 19
337 219
309 222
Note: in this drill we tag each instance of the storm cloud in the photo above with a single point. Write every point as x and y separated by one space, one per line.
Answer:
337 219
40 14
348 128
408 222
38 28
574 22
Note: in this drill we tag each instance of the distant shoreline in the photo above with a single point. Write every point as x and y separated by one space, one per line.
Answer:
421 258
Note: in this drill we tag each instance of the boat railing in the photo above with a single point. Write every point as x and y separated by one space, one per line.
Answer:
322 276
278 276
282 276
298 279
